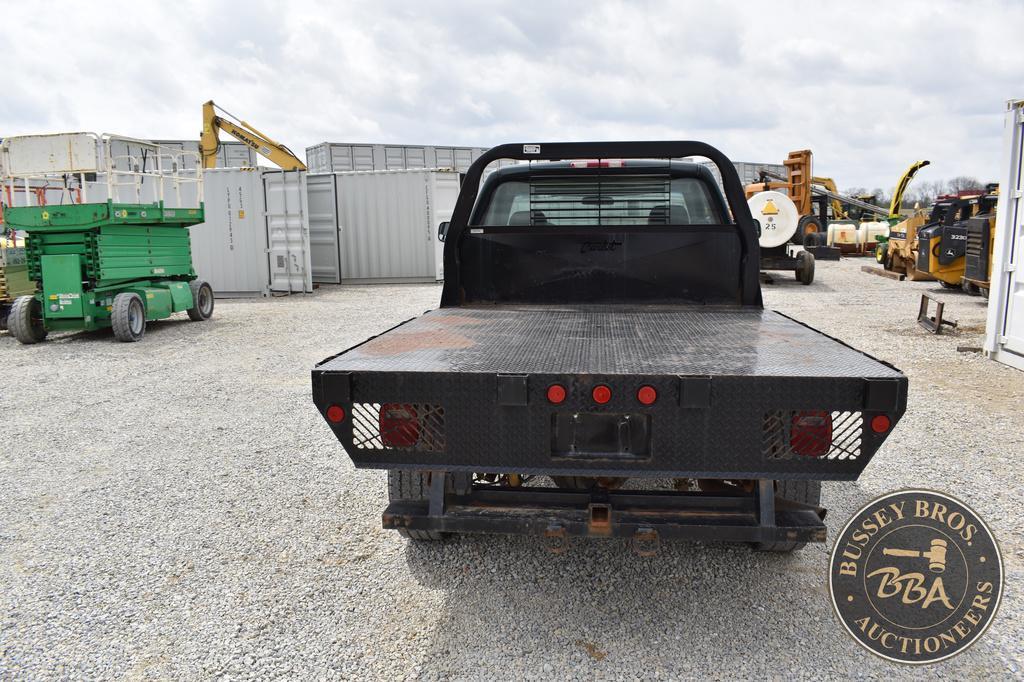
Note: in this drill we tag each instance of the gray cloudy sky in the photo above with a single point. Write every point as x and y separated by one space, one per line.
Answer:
869 87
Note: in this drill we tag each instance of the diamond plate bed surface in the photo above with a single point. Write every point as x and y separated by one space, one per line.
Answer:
608 339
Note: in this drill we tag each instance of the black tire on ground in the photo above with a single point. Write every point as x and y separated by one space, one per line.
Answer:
949 285
807 225
202 301
970 288
805 267
887 260
25 321
128 317
411 485
806 492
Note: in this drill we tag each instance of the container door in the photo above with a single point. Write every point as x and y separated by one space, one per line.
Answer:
384 222
287 225
323 229
1005 328
444 194
229 250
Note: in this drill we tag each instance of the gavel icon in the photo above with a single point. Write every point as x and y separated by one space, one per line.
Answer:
936 556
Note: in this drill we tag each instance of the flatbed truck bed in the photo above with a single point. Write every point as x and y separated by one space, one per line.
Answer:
601 321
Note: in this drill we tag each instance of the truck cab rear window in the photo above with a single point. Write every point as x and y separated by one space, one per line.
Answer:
601 201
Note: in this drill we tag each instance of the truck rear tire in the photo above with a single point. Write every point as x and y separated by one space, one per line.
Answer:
805 267
412 485
128 317
202 301
806 492
25 320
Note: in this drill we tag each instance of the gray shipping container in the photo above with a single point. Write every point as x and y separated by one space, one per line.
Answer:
230 154
379 226
337 157
749 172
255 241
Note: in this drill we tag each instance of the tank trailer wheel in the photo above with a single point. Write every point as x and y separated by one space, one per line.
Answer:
411 485
25 320
805 267
807 226
128 317
202 301
806 492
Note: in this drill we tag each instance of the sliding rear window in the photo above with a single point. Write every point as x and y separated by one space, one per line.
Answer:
602 200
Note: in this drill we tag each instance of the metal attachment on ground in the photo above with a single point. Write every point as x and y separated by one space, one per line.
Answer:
932 324
558 540
646 542
898 276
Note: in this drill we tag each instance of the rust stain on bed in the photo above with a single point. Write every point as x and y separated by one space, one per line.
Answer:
454 320
407 342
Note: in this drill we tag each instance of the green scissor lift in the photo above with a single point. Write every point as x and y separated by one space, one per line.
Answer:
111 264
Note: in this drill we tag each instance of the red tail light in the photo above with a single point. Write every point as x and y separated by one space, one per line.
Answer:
601 394
399 425
335 414
810 434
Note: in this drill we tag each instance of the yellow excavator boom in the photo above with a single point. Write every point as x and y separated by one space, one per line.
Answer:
209 139
901 187
830 185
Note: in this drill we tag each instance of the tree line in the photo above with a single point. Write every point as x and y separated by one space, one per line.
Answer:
921 192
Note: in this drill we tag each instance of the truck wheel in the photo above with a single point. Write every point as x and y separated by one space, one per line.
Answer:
949 285
807 492
128 317
25 320
805 267
202 301
411 485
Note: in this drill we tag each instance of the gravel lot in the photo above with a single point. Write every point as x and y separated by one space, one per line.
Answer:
176 508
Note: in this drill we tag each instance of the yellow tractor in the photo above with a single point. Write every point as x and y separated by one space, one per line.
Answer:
942 246
981 238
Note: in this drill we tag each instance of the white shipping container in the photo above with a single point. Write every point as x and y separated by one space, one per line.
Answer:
338 157
287 224
386 224
229 249
244 249
1004 339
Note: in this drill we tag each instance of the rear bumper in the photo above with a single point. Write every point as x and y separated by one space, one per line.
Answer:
700 427
646 518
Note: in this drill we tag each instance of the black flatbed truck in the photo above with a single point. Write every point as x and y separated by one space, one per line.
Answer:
601 320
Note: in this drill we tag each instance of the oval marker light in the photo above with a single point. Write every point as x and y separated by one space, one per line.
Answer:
335 414
880 423
556 394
